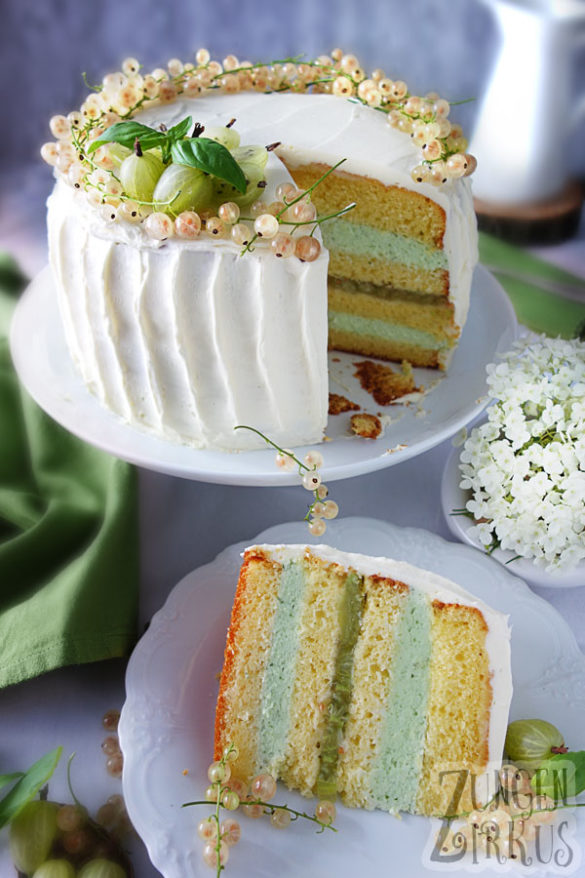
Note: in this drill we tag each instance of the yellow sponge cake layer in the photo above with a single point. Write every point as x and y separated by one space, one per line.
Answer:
394 325
246 656
392 274
340 679
456 728
315 666
390 243
372 674
392 208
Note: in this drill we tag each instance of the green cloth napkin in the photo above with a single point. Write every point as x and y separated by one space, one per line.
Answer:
68 533
537 309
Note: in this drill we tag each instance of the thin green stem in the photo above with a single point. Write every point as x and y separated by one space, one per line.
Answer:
270 808
257 66
317 222
300 464
303 194
515 558
218 805
87 83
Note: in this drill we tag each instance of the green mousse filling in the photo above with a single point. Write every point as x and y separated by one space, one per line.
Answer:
350 614
371 327
277 686
361 240
394 781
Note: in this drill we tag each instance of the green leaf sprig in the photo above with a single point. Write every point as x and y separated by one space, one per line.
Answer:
198 152
127 133
27 785
556 771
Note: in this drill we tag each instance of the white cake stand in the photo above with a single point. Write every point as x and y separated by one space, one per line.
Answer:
451 400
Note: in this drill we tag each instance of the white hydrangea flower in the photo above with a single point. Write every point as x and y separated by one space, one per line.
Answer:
525 465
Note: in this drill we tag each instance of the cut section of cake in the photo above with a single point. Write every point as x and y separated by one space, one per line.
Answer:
401 261
389 278
364 677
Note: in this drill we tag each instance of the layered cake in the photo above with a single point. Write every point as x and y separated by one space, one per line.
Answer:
177 309
363 677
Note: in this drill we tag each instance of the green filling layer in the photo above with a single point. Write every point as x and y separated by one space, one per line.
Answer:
366 326
277 686
394 781
360 240
350 614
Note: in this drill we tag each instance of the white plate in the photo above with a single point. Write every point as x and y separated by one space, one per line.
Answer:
453 497
46 370
171 685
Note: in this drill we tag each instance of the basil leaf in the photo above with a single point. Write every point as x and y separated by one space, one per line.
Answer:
28 785
126 134
179 130
211 157
562 776
5 779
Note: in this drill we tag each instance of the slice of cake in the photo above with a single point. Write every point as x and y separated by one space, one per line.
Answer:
366 677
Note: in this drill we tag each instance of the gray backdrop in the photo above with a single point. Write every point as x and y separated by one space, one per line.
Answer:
443 45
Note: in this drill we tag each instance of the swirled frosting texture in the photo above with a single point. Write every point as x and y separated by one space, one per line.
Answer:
188 339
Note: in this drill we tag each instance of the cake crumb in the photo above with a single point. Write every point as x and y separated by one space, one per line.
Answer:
339 404
384 383
367 426
399 447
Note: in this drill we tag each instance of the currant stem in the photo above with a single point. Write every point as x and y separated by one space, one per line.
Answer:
269 808
295 60
249 246
301 465
87 83
321 219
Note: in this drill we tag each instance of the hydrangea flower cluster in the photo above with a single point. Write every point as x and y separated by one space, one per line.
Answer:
525 466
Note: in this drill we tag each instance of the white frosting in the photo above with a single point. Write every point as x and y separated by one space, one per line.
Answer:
160 330
189 339
441 589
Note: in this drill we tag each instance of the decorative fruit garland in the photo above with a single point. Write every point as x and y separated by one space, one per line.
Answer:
187 180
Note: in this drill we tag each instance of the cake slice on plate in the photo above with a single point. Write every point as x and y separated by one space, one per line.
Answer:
364 677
